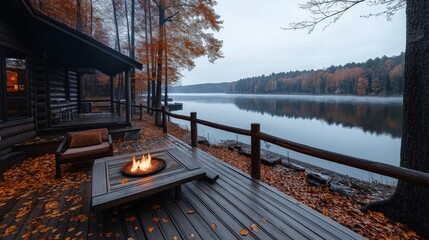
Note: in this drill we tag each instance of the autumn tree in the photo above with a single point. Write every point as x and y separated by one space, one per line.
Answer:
409 203
183 33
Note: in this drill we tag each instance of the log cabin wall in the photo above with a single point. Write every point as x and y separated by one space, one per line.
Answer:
56 94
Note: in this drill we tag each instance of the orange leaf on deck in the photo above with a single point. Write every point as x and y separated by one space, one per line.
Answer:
254 227
131 219
165 220
213 226
155 219
150 229
125 180
244 232
190 211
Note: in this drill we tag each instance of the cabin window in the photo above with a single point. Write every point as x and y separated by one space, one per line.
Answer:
16 101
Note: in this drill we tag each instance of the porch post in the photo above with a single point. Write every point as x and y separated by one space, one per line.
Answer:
79 93
112 94
128 95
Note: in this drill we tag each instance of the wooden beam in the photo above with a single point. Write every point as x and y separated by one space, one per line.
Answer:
128 95
112 94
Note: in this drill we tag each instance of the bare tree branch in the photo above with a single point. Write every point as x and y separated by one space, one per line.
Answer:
329 11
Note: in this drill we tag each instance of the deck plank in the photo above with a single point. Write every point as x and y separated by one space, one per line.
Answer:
234 202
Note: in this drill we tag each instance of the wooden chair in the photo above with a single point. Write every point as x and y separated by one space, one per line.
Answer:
83 146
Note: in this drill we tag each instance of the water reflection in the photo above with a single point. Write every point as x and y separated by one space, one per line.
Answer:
371 114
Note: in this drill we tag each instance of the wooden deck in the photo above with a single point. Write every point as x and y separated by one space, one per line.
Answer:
206 211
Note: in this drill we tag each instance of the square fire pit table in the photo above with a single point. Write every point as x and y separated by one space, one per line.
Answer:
110 188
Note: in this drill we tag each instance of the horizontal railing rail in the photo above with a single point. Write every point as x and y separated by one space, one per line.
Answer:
96 100
406 174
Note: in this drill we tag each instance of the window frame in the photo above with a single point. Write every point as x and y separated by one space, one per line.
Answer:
4 109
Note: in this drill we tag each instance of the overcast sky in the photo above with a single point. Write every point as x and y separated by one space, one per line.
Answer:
254 43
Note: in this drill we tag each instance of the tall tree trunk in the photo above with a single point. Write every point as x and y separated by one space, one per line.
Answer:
146 9
152 53
128 28
166 68
79 25
118 47
91 19
410 203
133 53
161 12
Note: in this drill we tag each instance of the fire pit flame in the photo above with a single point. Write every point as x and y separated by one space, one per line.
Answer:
141 165
145 166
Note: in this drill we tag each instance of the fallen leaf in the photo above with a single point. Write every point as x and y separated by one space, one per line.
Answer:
265 220
254 227
90 234
109 234
191 236
130 238
136 228
71 229
131 219
155 219
26 235
51 205
165 220
244 232
125 180
190 211
78 233
175 237
150 229
213 225
57 237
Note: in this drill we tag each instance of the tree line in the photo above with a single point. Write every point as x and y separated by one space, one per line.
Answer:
376 77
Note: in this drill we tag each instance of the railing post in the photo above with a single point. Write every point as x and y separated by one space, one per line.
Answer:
141 112
256 151
118 107
194 130
164 119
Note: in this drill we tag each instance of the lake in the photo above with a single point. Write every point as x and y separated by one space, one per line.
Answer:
364 127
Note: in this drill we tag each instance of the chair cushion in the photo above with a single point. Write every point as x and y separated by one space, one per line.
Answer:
84 139
86 151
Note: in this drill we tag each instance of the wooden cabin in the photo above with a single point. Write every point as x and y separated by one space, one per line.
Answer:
41 63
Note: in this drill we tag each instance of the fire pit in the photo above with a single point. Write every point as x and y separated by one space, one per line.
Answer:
143 167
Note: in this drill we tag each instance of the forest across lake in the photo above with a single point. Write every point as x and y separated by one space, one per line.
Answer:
365 127
376 77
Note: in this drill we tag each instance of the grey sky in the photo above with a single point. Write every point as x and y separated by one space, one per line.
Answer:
255 44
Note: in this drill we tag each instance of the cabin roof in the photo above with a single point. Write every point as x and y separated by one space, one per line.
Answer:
58 43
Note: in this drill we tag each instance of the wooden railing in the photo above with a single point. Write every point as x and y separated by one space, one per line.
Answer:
256 135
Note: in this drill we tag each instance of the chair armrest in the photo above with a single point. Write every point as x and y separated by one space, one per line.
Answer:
61 147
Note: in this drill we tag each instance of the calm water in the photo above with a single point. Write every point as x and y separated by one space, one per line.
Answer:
365 127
